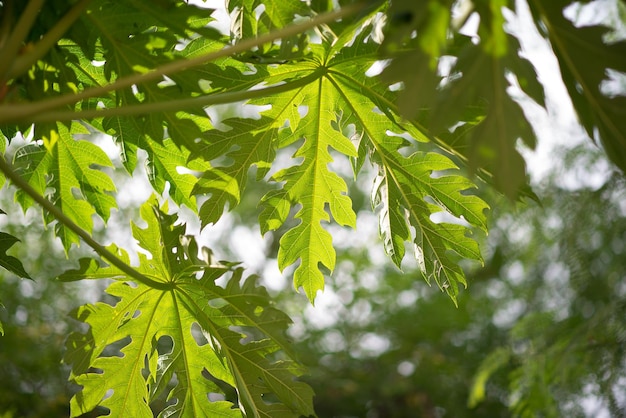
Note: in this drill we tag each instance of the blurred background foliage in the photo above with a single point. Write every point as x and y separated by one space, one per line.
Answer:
540 332
34 318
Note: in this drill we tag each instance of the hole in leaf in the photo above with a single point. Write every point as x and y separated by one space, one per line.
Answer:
165 345
303 110
198 334
229 393
377 68
218 303
114 349
108 394
205 85
397 86
446 217
216 397
248 334
259 10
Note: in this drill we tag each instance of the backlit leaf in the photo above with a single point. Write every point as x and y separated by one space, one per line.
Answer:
68 167
185 338
585 56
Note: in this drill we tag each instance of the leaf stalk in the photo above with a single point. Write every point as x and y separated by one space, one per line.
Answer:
10 173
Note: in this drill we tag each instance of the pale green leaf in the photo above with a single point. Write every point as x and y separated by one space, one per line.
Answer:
240 333
68 167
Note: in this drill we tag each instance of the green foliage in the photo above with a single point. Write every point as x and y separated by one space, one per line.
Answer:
571 335
585 56
144 71
240 333
542 328
9 262
66 166
475 90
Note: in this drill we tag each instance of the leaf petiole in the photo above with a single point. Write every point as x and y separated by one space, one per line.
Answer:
8 171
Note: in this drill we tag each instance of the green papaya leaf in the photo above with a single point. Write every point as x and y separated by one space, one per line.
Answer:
187 341
68 167
586 57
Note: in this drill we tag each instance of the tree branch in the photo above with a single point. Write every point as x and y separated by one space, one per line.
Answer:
16 39
174 105
12 112
24 62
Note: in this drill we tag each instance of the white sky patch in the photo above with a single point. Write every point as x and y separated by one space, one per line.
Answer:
326 311
558 126
371 345
222 19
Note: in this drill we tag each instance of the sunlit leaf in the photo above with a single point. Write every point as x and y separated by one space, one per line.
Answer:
68 167
184 339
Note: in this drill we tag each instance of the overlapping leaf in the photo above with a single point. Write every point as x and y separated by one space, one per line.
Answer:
164 158
132 43
489 140
310 184
67 166
237 348
253 142
134 37
476 93
339 105
584 57
246 145
325 103
274 14
411 189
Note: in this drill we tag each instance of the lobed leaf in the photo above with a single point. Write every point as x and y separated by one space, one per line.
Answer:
407 191
469 110
163 354
585 58
333 104
67 166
